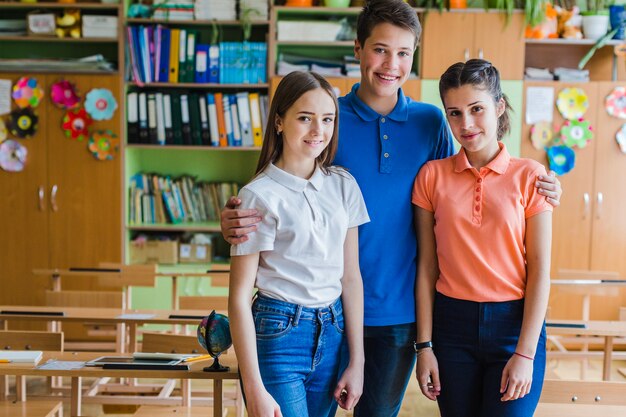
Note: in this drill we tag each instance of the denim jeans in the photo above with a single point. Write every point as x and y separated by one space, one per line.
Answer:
302 352
473 342
389 360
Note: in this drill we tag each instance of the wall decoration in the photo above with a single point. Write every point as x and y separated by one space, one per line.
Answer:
3 131
541 135
12 156
621 138
23 122
76 124
561 158
103 144
576 133
27 92
615 103
100 104
572 103
64 95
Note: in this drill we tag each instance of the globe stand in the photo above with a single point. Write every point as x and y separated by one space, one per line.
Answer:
216 367
214 336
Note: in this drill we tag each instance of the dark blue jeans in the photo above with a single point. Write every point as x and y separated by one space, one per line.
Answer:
302 352
389 361
473 342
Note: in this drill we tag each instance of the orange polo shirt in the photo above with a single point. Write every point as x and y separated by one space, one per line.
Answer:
480 223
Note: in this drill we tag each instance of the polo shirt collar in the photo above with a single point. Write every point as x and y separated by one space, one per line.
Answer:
400 112
499 164
294 182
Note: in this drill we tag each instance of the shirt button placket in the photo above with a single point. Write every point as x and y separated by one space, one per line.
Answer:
385 161
477 202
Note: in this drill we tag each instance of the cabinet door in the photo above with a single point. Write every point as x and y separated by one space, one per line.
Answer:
85 227
447 38
23 210
500 42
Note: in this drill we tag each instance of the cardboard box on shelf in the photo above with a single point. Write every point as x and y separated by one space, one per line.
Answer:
194 253
154 252
99 26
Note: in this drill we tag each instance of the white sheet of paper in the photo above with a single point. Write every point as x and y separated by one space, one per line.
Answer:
5 97
539 105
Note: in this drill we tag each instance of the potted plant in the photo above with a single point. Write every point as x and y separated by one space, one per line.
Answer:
595 19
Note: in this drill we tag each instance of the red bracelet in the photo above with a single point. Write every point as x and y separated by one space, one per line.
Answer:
524 356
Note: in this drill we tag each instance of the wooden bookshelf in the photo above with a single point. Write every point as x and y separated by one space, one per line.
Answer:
150 21
201 85
194 147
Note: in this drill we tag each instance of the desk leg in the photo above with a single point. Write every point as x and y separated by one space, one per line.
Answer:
185 387
56 282
20 388
608 357
174 292
120 338
218 398
4 387
76 396
132 336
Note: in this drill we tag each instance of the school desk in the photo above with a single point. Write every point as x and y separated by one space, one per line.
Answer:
579 410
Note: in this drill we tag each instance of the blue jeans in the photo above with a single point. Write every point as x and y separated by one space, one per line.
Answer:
389 360
302 352
473 342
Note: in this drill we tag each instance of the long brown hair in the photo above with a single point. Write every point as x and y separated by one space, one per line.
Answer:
293 86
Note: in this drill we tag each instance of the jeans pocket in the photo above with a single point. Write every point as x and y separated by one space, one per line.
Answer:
272 325
339 324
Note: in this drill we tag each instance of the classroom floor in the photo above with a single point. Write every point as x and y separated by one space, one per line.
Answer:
415 404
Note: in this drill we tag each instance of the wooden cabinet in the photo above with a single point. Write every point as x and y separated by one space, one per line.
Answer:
63 210
589 227
451 37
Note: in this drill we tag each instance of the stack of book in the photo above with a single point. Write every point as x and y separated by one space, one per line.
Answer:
258 9
177 10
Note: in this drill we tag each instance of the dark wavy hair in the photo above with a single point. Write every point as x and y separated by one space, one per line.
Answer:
395 12
289 90
481 74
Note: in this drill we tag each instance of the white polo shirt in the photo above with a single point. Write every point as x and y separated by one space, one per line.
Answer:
301 236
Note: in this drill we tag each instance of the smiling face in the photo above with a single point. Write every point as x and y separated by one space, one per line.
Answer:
306 130
386 58
473 118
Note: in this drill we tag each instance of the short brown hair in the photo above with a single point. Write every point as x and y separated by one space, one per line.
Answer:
395 12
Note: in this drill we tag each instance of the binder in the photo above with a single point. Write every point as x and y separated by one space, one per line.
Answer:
194 119
164 55
234 114
132 51
167 119
143 118
212 112
205 134
228 121
201 74
190 66
177 121
182 55
152 119
144 46
174 44
160 117
255 116
214 64
185 122
132 117
243 108
221 124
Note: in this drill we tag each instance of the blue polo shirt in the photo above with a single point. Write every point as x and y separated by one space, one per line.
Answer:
384 154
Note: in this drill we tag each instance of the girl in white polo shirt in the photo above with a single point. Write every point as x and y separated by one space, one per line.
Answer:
296 353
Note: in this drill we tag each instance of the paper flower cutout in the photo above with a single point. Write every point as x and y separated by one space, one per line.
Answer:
27 93
3 131
100 104
64 94
621 138
23 123
12 156
576 133
572 103
541 135
615 103
103 144
561 159
76 124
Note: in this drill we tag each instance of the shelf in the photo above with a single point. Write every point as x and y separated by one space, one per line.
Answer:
59 71
194 22
198 85
196 148
50 5
317 10
570 42
181 227
56 39
305 43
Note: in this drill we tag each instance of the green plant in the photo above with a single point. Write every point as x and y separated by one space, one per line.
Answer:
534 12
599 44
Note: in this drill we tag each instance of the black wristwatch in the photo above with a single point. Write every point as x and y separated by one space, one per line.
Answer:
422 345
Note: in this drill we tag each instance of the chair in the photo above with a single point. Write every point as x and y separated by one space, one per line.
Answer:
176 411
582 398
207 303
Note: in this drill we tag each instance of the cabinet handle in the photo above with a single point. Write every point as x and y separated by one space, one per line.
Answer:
53 198
480 53
42 196
599 201
586 201
466 54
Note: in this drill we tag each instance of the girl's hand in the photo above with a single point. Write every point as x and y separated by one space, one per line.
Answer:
517 378
350 387
262 404
427 373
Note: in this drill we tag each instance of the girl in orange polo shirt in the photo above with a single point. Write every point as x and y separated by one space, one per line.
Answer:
484 259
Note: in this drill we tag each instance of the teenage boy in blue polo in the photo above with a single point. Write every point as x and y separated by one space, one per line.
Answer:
384 139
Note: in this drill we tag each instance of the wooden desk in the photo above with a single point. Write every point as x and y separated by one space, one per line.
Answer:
589 287
76 375
607 329
579 410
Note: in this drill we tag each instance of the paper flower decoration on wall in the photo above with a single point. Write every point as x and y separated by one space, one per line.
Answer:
3 131
572 103
100 104
64 94
615 103
103 144
76 124
12 156
621 138
23 123
27 93
541 135
576 133
561 159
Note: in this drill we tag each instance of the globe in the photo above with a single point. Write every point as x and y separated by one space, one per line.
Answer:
214 337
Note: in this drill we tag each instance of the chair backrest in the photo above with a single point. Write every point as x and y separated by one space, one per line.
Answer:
218 303
220 279
104 299
129 275
584 392
587 274
170 343
31 340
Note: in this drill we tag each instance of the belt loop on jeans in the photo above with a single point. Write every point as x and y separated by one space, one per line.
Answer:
333 312
296 316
